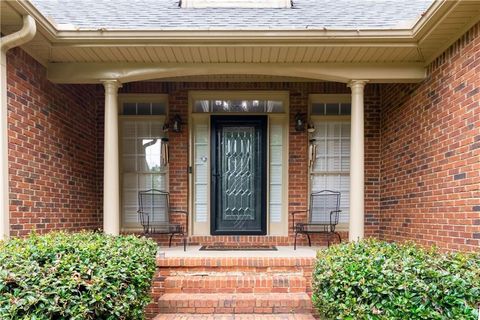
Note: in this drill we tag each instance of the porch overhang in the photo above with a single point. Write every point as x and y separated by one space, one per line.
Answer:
419 44
339 72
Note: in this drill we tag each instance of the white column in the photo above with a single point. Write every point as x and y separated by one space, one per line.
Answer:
357 193
111 181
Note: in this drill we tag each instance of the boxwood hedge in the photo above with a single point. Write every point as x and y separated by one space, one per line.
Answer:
378 280
75 276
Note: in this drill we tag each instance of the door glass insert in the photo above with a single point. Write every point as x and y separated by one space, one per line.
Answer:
238 159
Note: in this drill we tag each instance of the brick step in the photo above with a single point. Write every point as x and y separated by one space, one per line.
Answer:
225 303
239 263
235 284
250 316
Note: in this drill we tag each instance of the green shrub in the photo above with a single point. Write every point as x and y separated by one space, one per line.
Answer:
75 276
378 280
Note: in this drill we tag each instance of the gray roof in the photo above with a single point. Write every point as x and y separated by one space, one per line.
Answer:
166 14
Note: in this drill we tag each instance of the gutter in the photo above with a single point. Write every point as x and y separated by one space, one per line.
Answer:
7 42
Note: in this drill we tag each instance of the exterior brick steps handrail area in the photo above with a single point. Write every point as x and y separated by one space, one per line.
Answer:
232 288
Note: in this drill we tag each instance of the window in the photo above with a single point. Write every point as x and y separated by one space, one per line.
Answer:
229 102
143 161
215 106
143 108
331 109
330 169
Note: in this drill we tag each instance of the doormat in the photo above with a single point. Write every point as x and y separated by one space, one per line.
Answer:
221 247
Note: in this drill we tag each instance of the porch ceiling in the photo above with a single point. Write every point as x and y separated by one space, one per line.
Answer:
440 26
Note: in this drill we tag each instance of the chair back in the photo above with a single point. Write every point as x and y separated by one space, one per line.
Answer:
153 207
322 203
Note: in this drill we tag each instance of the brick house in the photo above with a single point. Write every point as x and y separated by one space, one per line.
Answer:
392 91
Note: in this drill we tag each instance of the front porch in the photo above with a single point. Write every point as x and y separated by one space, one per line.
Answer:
290 172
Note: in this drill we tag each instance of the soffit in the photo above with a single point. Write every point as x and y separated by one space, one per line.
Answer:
458 18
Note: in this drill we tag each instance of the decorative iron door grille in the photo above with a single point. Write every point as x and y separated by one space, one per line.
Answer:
238 192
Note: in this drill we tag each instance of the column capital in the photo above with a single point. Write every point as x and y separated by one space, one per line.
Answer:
111 84
357 83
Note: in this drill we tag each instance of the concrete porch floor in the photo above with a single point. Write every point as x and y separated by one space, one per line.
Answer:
194 252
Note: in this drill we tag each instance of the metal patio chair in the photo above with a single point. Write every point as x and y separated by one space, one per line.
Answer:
154 215
323 215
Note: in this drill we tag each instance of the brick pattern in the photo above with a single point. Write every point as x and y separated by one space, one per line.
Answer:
218 303
243 283
298 144
182 316
230 285
430 167
52 154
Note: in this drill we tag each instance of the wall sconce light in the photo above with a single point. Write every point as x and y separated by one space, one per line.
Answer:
299 122
175 124
310 128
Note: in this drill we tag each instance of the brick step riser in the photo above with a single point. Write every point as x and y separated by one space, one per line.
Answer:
237 310
165 273
240 284
288 303
245 270
236 263
181 316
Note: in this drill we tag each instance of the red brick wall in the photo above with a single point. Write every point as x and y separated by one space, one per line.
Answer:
52 154
298 143
430 163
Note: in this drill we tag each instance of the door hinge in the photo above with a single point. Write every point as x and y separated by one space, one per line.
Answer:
189 169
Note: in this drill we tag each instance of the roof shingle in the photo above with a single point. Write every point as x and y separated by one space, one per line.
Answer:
167 15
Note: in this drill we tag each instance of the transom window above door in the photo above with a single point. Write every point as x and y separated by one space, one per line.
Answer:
263 106
239 102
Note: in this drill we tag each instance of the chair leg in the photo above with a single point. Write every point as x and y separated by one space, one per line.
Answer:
295 242
328 240
184 242
339 237
309 240
170 241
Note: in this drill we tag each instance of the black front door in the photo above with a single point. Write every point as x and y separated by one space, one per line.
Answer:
239 163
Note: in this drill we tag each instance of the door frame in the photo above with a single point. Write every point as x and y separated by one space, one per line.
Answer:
263 121
199 122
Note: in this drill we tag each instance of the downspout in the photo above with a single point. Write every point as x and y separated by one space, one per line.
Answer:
7 42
